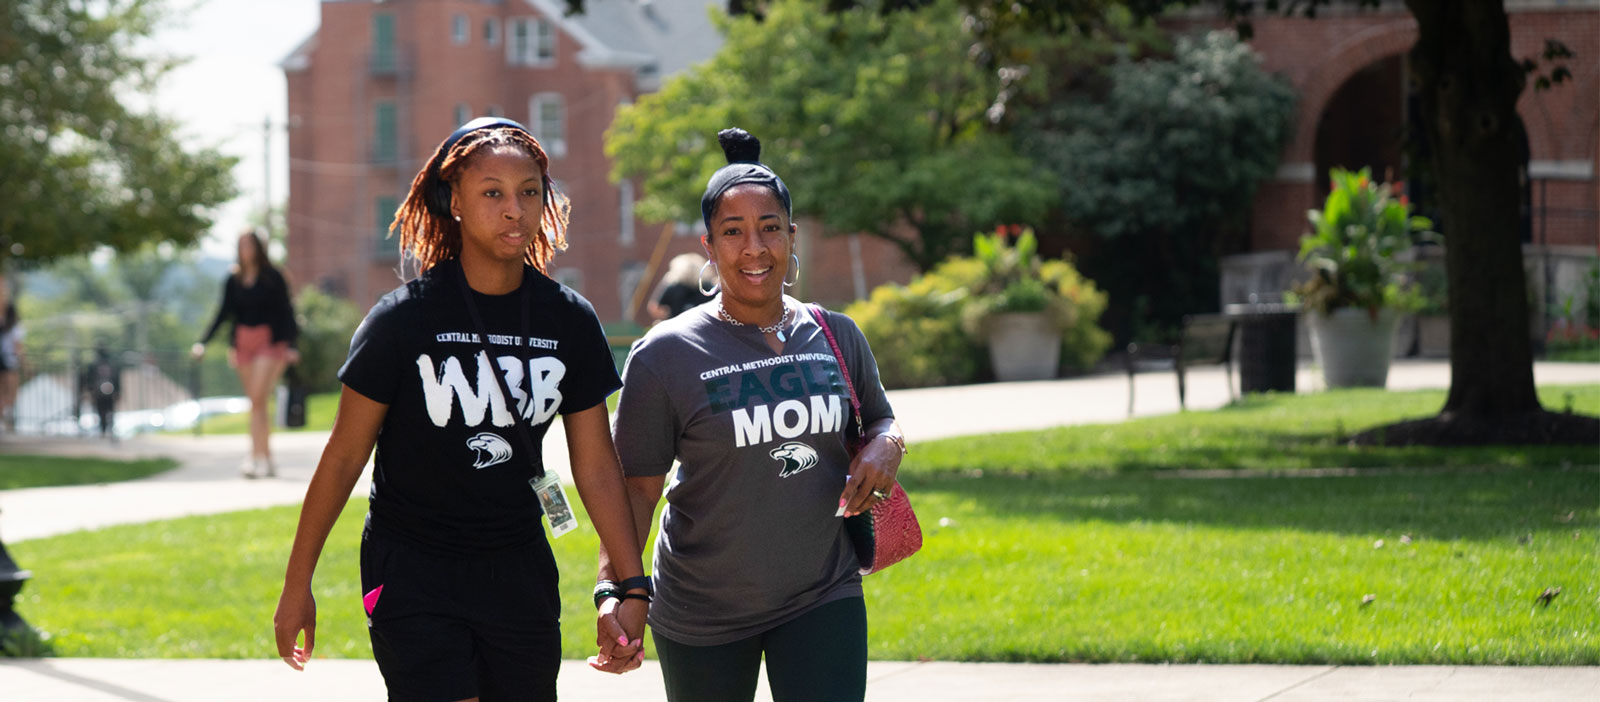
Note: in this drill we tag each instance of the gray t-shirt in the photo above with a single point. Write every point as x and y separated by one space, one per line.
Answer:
748 538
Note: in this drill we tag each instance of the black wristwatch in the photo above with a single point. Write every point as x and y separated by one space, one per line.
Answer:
637 581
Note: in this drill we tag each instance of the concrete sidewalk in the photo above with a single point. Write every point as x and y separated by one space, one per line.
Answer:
207 481
105 680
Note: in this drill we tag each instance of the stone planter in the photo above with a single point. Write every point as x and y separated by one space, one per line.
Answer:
1023 346
1353 349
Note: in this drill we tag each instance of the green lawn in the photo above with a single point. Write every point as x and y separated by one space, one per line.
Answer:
45 471
1078 552
1264 432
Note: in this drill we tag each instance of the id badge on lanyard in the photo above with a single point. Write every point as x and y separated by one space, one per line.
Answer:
553 499
552 494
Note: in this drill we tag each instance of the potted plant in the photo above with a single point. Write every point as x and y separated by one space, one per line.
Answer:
1014 308
1433 319
1359 254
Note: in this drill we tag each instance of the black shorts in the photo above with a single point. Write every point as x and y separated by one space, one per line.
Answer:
455 627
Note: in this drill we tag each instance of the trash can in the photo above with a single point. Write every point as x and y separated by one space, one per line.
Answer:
292 395
1266 346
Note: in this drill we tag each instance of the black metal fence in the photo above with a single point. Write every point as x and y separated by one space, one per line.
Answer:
159 390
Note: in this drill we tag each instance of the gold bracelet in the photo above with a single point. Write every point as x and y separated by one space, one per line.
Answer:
897 441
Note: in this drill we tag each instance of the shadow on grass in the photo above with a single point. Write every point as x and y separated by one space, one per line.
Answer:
1478 506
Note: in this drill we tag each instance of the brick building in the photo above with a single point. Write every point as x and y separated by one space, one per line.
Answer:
1349 70
380 83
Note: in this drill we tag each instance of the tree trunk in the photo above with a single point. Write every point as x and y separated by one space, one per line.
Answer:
1467 84
1467 88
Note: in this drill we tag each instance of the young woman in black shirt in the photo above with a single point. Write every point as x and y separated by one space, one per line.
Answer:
455 376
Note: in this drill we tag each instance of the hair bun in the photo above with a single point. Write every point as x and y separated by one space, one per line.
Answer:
739 145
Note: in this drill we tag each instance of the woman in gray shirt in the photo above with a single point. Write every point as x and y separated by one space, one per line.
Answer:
745 393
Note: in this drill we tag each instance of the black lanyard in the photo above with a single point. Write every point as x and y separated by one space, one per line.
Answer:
494 368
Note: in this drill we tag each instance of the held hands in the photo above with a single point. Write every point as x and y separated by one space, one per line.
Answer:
619 631
873 469
297 612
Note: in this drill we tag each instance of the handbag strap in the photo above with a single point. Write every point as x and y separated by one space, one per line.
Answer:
818 314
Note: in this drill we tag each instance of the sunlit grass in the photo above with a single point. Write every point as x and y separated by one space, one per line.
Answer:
1078 544
46 471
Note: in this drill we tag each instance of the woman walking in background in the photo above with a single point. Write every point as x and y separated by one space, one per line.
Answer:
256 297
753 560
456 376
680 289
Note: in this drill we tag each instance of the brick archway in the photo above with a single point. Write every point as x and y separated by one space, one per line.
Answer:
1357 51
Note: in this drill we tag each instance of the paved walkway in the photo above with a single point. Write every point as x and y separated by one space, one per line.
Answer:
208 482
105 680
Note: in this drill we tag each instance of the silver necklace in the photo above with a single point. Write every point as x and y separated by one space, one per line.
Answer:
783 321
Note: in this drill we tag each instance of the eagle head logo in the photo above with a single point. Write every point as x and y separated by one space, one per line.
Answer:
795 456
490 448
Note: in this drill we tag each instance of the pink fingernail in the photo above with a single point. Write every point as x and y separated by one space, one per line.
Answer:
622 640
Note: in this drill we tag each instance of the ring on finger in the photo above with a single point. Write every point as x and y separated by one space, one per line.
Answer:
880 494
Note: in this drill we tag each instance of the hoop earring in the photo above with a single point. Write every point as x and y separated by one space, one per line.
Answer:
794 265
701 281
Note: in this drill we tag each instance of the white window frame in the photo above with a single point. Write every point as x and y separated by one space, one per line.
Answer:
554 144
544 42
491 31
460 29
530 41
628 280
625 207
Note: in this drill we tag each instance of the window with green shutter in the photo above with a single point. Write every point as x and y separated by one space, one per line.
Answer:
383 55
383 131
387 248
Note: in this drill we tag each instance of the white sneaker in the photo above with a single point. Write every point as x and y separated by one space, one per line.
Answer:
272 467
248 468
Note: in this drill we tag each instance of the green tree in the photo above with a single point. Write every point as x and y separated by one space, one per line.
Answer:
85 167
1161 163
879 121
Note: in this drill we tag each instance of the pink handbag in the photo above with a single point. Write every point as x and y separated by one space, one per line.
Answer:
888 533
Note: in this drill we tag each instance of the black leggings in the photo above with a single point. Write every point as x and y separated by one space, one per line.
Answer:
821 656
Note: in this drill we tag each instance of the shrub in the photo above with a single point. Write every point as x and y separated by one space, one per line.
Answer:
326 324
922 333
915 329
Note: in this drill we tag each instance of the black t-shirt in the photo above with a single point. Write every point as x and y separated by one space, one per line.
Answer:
450 471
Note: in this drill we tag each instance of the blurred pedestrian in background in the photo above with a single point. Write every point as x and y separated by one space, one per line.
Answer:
101 382
256 297
11 356
681 288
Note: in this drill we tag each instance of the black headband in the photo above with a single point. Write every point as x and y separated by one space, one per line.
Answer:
744 167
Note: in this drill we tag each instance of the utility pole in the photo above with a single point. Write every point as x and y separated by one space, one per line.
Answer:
266 169
268 220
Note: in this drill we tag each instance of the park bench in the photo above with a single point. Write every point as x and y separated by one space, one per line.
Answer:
1205 338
